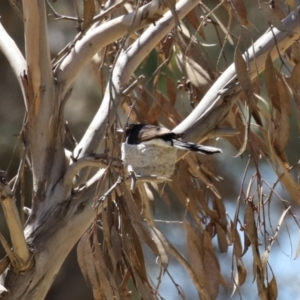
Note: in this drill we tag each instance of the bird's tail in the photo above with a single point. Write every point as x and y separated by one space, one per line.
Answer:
196 148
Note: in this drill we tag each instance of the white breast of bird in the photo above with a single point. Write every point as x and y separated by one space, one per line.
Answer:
157 142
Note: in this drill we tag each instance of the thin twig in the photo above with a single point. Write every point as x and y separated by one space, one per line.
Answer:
111 189
58 16
15 8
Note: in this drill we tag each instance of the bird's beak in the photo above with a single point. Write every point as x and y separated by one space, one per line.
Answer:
120 130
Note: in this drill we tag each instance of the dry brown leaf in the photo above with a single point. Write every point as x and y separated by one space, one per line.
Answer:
139 255
258 144
238 250
186 191
212 271
220 207
197 172
107 225
194 72
231 121
241 11
88 13
194 64
273 16
255 268
206 164
134 264
169 116
191 192
264 259
130 111
162 108
284 95
240 276
116 243
167 46
145 291
211 266
242 272
284 175
293 54
180 193
251 228
196 255
151 190
107 222
254 108
256 86
245 83
172 90
272 289
281 133
150 235
145 200
279 124
210 228
250 231
157 97
222 239
255 90
207 242
193 18
91 267
271 82
143 110
295 78
131 253
108 286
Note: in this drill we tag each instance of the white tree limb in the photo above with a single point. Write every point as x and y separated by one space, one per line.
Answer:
256 56
44 134
97 38
128 61
37 48
52 240
14 57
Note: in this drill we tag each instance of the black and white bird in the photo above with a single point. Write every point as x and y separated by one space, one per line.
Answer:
150 134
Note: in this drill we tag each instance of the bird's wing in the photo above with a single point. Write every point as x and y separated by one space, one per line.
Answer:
151 131
196 148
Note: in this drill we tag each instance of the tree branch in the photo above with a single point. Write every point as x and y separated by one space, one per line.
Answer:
256 56
127 63
14 57
37 52
15 228
43 125
97 38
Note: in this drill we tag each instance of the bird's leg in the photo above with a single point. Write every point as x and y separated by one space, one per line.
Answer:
133 176
107 193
